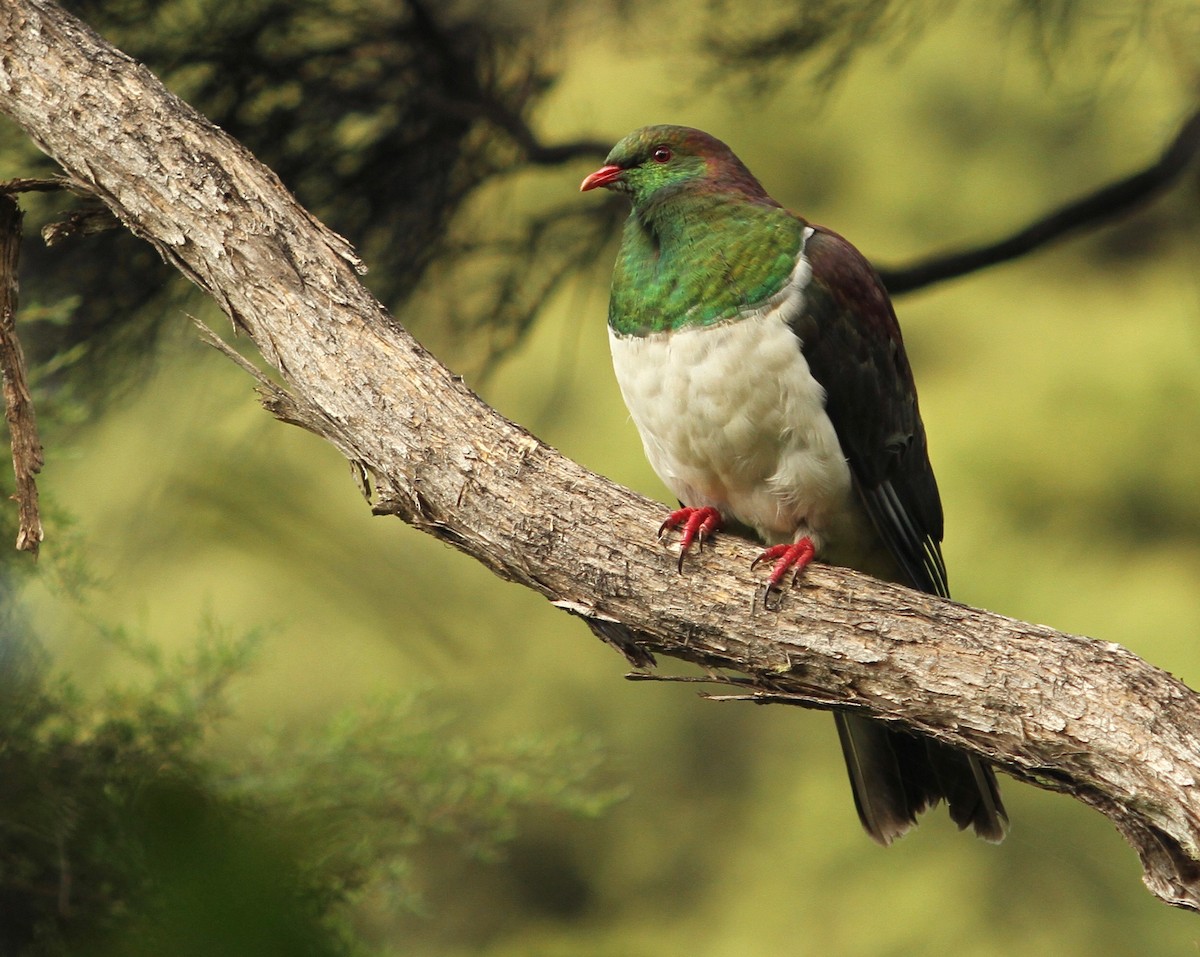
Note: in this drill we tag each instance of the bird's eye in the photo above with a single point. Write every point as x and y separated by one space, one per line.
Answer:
662 154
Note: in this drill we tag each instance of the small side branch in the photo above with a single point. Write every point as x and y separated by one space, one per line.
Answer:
1105 203
18 403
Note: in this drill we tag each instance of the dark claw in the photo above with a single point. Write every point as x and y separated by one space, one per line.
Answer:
766 598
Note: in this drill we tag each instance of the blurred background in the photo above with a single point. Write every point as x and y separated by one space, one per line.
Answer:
240 715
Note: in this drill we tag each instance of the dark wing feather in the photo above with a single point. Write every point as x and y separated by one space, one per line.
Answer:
851 341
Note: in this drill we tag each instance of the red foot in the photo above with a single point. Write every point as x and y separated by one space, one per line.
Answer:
793 558
697 525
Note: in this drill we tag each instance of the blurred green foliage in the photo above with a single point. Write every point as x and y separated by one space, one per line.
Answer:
123 833
392 774
1080 38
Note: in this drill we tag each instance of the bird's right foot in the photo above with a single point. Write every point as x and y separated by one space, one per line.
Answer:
696 525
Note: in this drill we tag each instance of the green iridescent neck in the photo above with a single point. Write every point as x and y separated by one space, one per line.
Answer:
700 260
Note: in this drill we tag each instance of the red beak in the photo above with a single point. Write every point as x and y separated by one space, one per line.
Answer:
602 177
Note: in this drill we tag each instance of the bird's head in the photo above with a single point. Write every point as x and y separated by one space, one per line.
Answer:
657 162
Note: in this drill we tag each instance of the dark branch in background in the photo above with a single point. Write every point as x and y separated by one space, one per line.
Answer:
18 404
482 101
822 39
529 259
384 120
1106 203
825 36
564 240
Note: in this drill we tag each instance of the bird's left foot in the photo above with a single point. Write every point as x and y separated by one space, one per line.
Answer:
793 558
696 525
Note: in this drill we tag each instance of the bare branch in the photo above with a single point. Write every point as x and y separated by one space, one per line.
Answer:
1061 711
29 184
18 403
89 218
1106 203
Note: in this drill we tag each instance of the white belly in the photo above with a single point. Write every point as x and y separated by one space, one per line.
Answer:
731 417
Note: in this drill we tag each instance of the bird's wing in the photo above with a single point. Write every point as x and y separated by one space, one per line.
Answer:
852 344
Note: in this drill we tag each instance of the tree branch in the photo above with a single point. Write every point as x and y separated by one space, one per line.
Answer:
1105 203
1061 711
18 403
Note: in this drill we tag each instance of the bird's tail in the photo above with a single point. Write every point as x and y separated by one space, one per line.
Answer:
895 776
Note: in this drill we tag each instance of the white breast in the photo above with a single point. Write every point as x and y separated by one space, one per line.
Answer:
731 417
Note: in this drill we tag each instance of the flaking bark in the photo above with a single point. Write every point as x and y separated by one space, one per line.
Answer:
1061 711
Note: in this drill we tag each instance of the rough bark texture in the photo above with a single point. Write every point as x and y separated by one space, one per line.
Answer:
1061 711
18 405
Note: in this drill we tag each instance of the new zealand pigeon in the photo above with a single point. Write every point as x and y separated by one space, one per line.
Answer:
762 363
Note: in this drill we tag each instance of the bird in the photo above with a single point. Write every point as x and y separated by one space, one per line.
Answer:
762 363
